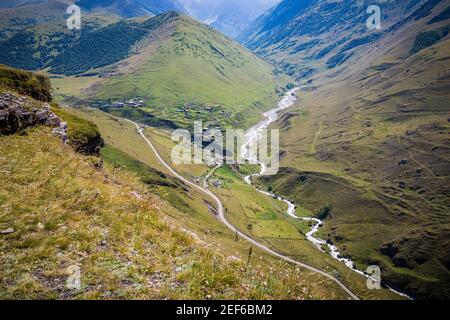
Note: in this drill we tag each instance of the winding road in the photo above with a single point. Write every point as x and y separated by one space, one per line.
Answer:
221 215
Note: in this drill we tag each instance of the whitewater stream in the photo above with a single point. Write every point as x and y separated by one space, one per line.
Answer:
251 137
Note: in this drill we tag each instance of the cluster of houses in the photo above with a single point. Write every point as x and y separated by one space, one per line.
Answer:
186 107
209 108
134 103
214 125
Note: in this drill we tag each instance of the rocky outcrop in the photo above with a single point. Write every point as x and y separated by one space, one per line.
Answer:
90 145
62 132
19 112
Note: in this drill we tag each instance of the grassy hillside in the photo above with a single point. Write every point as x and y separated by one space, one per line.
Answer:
265 218
243 203
73 214
380 157
33 35
65 214
369 136
188 216
35 86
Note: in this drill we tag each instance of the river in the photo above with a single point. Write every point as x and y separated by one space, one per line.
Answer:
252 136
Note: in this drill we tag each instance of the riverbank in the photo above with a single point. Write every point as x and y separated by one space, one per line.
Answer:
251 137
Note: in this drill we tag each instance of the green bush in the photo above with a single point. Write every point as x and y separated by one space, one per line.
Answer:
428 38
325 212
83 135
24 82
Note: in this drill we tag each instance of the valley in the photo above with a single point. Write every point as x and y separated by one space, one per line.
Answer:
366 134
363 117
179 64
116 218
271 226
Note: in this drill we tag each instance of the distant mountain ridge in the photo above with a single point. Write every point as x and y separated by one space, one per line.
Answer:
17 3
228 16
325 33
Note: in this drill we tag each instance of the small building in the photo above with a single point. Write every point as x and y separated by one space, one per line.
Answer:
217 183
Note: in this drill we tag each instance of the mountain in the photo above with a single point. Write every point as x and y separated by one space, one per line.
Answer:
170 61
369 136
267 25
228 16
17 3
125 8
323 34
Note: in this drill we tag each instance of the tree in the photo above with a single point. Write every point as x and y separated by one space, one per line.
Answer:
323 213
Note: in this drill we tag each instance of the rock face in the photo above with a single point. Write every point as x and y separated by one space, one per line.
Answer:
18 113
7 231
62 132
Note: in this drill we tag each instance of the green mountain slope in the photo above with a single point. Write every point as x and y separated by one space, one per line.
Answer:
305 37
370 133
33 35
104 46
169 61
62 210
172 61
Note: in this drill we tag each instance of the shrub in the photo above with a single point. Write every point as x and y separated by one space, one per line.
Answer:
325 212
428 38
83 135
24 82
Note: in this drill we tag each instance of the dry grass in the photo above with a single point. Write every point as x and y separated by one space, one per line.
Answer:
66 210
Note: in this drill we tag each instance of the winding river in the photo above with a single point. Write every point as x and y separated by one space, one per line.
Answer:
252 137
